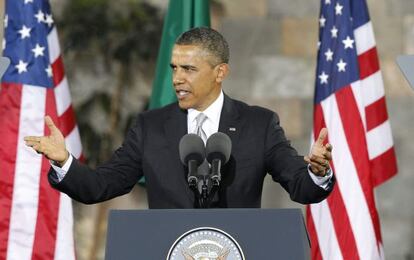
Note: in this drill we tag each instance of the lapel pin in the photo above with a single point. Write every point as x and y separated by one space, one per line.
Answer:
233 129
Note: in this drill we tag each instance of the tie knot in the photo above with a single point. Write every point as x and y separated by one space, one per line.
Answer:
200 119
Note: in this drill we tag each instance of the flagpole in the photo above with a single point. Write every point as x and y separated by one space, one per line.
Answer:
1 22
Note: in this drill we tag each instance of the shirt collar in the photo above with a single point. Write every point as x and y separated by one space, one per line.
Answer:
212 112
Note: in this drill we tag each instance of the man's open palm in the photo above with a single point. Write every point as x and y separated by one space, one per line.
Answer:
52 146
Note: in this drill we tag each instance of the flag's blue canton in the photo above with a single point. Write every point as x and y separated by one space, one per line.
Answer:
337 59
27 24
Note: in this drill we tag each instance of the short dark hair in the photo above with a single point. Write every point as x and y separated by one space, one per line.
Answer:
209 40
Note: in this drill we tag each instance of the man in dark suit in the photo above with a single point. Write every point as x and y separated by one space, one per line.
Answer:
259 146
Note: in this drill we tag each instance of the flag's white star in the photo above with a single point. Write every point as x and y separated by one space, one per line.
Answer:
40 16
338 9
341 65
334 32
38 50
21 67
28 1
4 44
49 71
327 2
319 44
329 55
24 32
49 20
322 21
6 21
348 43
324 77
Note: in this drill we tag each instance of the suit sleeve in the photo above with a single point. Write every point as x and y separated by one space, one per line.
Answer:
288 168
115 177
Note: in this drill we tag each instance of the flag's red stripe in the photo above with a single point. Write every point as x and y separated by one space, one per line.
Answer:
355 136
342 225
340 218
58 71
67 122
368 63
10 100
376 113
383 167
48 208
313 236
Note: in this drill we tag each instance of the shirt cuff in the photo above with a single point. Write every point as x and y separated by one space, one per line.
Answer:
61 171
321 181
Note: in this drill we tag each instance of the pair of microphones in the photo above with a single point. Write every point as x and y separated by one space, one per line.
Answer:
193 153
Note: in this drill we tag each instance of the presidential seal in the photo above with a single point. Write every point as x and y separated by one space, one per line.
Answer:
205 243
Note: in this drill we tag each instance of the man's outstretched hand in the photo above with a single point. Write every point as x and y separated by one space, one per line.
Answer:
52 146
320 155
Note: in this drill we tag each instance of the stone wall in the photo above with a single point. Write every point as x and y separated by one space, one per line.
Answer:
273 50
273 53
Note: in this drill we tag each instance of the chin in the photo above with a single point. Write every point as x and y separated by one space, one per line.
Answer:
184 105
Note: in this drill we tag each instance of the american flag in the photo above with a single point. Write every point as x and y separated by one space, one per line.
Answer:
36 222
350 102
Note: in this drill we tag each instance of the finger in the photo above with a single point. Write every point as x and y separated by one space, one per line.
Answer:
32 138
36 147
328 147
316 167
306 158
322 136
320 161
31 143
52 127
327 155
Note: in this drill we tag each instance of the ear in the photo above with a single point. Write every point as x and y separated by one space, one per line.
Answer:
222 72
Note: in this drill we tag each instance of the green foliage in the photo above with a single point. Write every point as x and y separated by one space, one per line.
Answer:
120 30
124 32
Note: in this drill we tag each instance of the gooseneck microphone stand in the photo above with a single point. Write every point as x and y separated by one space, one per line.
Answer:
205 187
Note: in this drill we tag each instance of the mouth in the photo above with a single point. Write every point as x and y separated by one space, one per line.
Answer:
181 94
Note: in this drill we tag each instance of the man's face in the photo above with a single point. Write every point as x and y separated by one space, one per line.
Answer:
196 82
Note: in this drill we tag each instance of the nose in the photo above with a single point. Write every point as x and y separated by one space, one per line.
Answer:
177 79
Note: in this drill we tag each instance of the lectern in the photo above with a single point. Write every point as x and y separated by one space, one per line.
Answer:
222 234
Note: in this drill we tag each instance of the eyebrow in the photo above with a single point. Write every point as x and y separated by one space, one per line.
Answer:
183 66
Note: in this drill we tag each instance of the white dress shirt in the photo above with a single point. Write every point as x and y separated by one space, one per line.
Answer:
210 126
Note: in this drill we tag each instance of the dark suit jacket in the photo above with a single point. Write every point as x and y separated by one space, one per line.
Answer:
150 149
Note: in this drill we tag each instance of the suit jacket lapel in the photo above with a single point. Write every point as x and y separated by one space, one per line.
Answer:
230 122
175 128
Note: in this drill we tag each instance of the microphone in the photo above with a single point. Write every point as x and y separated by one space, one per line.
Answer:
192 155
218 150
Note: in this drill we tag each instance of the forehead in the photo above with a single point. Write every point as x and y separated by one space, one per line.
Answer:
189 53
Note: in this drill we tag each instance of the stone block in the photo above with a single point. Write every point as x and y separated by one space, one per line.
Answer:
251 36
282 77
398 237
248 37
244 8
1 20
293 8
388 35
408 34
399 7
394 82
299 36
289 111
